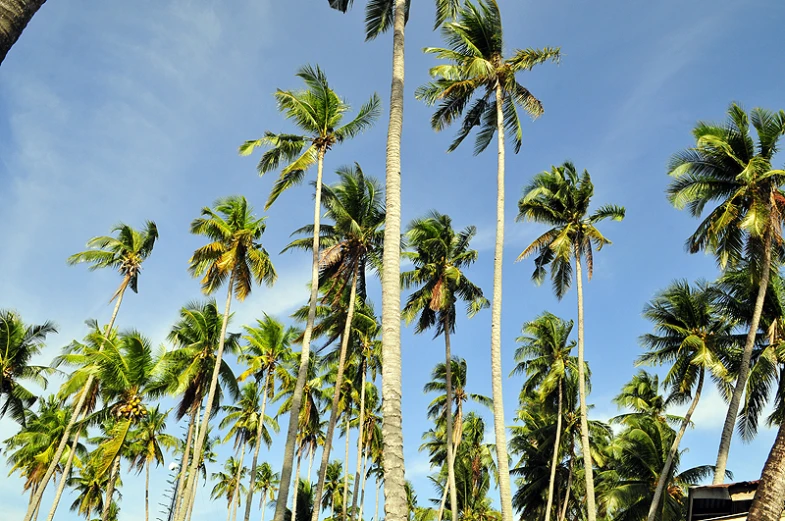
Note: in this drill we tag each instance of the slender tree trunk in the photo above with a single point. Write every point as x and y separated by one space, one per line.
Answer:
186 455
262 505
364 479
360 440
666 469
63 479
563 514
305 354
457 434
189 499
257 447
236 495
334 412
588 470
395 506
555 459
744 368
296 488
311 451
85 390
110 488
190 486
346 468
443 503
500 428
376 507
147 491
449 418
770 496
14 17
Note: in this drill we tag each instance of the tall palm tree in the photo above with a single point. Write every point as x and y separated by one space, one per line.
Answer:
16 14
148 442
126 253
89 486
234 256
560 198
269 347
693 335
229 484
354 239
544 357
440 258
728 166
20 343
267 482
196 337
480 84
318 112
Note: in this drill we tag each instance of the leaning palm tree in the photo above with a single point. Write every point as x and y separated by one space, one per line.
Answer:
561 198
126 252
544 357
269 347
480 84
727 166
694 336
440 258
267 482
234 256
20 342
318 112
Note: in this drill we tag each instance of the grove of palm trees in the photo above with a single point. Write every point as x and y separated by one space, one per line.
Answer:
240 280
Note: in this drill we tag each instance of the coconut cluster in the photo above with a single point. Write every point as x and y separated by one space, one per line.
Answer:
132 409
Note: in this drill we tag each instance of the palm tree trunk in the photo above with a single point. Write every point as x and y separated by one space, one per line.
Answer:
770 496
236 495
186 455
395 506
744 368
588 470
189 499
457 434
346 467
360 441
328 439
110 487
305 354
63 479
311 451
448 415
262 505
14 17
83 396
666 469
257 447
296 487
555 459
563 514
147 491
190 486
440 512
376 507
496 324
364 479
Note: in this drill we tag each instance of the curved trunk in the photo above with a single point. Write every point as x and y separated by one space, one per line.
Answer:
178 502
555 459
190 486
346 470
110 488
14 17
236 494
744 368
770 496
360 442
449 418
334 410
563 514
296 487
496 325
80 404
663 479
588 470
147 491
394 480
305 354
257 447
63 479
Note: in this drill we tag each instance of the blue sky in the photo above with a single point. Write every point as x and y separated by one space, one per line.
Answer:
111 112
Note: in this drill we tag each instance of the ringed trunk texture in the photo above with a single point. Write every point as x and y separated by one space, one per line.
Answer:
257 447
334 412
110 488
770 496
496 325
744 368
666 469
184 463
555 459
14 17
190 486
305 354
63 479
449 418
360 444
585 447
395 506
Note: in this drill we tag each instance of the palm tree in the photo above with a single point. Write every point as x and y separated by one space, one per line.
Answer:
354 239
21 343
126 253
332 497
318 111
196 337
693 335
267 482
16 14
148 441
544 357
234 256
269 346
479 71
727 166
439 259
89 486
560 198
229 484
